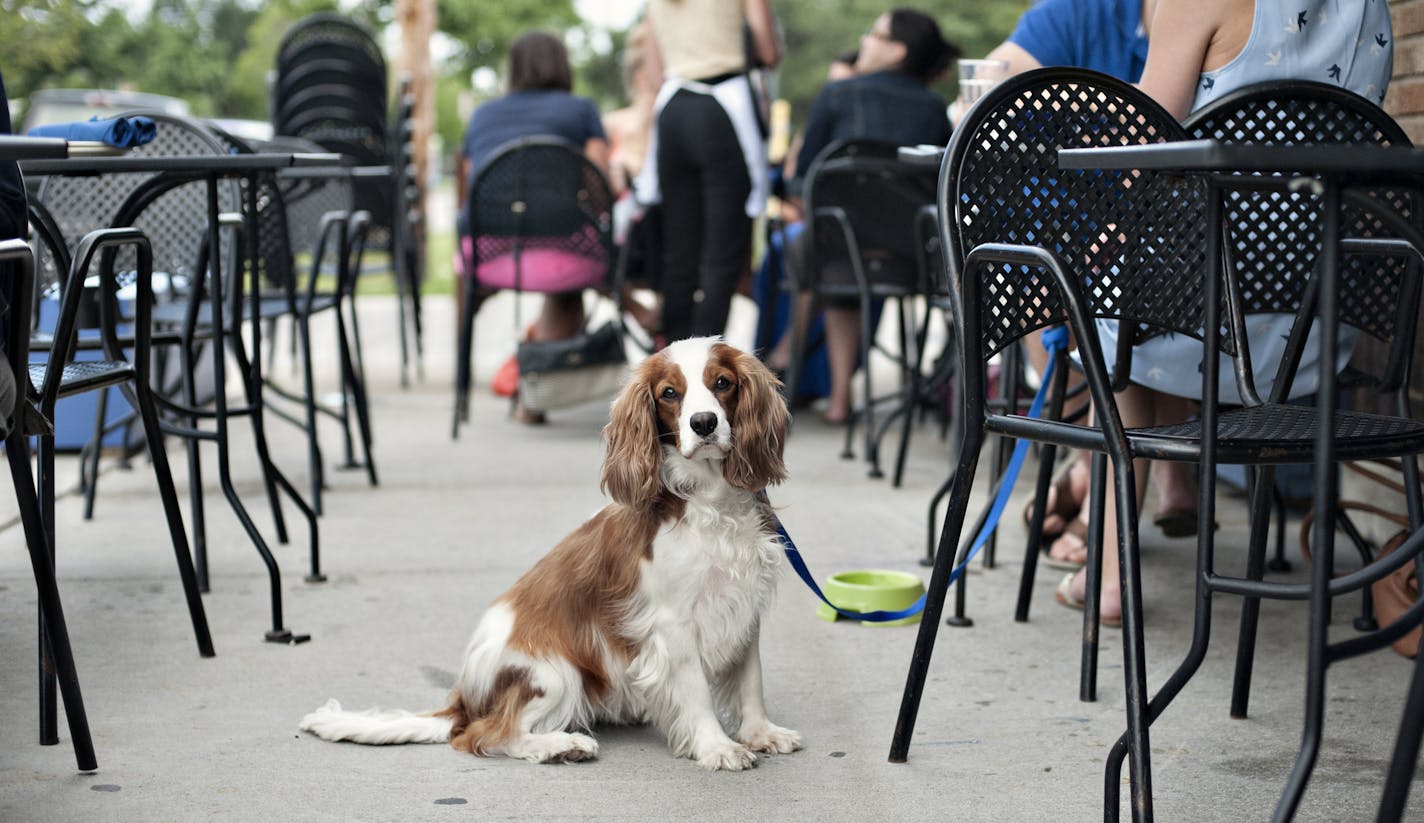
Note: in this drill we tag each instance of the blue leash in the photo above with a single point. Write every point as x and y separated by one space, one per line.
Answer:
1054 339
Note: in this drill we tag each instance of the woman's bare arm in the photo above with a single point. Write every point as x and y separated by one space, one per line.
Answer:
763 28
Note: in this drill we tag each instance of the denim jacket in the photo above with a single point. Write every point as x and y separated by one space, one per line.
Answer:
884 105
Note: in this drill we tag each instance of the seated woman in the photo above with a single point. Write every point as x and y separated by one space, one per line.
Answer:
1215 47
887 99
539 102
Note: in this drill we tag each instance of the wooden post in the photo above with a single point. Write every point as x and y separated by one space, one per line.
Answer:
417 21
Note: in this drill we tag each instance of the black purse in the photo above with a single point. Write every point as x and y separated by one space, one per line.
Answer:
556 374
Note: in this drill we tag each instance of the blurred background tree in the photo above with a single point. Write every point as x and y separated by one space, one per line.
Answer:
216 53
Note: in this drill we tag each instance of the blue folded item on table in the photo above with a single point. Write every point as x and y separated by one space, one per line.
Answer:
122 132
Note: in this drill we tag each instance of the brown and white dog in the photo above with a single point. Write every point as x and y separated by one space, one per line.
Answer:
651 610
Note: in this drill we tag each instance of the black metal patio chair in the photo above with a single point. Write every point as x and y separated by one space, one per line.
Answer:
17 277
535 204
1033 245
1272 236
125 363
866 241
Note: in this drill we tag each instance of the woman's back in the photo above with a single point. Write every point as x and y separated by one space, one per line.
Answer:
699 39
550 112
1345 44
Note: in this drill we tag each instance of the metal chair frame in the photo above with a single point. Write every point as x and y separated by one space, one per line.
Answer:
1088 245
842 187
54 638
519 210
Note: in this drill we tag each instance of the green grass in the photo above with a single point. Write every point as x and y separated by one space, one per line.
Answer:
439 276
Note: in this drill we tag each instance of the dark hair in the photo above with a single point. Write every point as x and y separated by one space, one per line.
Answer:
538 60
927 53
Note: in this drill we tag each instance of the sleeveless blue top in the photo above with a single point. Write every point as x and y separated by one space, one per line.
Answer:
1347 43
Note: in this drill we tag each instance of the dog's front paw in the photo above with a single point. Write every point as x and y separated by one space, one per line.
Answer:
726 755
770 738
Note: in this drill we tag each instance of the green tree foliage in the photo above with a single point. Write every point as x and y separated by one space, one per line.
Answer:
482 30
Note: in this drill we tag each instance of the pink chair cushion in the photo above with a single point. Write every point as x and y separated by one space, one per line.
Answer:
541 269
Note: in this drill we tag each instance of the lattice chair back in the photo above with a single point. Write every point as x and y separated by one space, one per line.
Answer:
864 201
274 265
328 34
307 201
1134 243
1274 238
541 219
173 216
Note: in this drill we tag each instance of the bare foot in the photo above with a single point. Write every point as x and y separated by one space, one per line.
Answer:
1110 602
1071 485
1071 547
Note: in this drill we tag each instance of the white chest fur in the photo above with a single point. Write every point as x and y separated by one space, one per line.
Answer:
712 574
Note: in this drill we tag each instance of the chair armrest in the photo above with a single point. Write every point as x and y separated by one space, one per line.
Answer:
105 241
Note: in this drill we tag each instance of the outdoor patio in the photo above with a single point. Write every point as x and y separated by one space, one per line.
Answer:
1001 734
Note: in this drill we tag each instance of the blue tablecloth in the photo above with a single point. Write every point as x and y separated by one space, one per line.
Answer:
122 132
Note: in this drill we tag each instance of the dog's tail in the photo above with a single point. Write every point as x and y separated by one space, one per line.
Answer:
378 727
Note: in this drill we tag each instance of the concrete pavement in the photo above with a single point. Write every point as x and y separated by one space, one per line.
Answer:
1001 734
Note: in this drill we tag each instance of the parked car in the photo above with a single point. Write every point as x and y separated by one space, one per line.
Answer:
45 106
251 130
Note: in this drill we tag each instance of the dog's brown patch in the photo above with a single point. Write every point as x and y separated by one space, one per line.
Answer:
572 602
496 719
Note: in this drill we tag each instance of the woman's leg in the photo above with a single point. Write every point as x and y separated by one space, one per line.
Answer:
842 354
1137 407
726 228
680 180
706 231
560 318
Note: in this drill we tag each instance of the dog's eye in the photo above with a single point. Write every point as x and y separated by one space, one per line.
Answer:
669 393
722 384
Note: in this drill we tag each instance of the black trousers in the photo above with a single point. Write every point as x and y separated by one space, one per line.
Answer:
706 232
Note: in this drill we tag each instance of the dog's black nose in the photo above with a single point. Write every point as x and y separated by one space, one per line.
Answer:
703 423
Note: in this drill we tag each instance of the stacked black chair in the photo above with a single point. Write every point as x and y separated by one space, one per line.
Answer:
865 239
332 87
1130 246
532 193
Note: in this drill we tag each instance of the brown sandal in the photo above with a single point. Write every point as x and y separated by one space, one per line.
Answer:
1063 506
1076 528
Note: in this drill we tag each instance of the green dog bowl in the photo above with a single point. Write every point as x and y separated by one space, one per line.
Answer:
872 591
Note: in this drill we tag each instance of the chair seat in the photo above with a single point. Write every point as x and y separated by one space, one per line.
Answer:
172 314
1245 435
84 375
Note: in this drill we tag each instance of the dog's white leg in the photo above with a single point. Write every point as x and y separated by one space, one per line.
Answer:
680 703
550 747
755 731
555 703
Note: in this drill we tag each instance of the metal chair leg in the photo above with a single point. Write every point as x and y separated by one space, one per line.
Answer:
934 601
1093 581
1263 479
1403 761
56 636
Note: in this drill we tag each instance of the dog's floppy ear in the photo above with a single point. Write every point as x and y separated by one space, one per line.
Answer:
758 428
632 466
